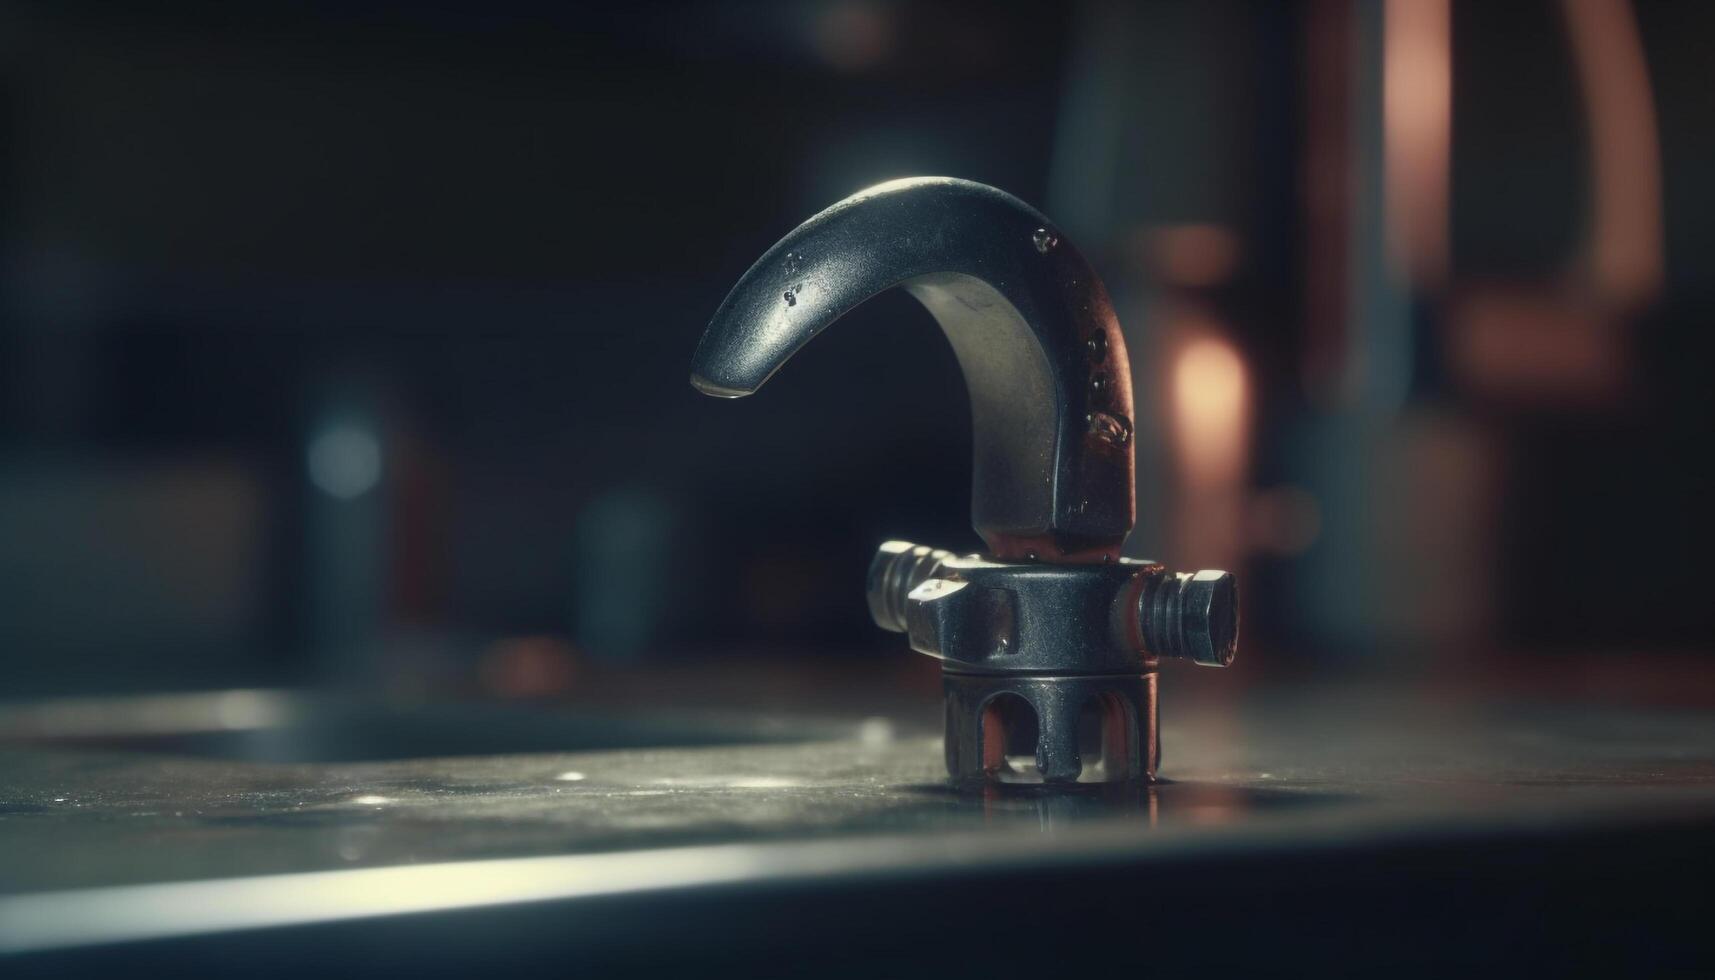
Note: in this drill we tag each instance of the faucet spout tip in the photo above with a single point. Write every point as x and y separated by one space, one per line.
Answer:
716 389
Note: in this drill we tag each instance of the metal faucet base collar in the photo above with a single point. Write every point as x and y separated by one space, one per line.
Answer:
983 714
1069 650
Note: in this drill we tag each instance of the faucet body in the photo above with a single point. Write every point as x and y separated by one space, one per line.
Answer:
1050 617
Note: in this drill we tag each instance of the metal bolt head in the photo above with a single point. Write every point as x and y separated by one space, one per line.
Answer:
1210 623
899 567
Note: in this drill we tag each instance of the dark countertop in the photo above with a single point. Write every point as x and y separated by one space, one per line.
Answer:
102 845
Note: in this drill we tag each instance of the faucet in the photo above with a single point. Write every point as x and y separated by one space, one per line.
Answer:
1050 618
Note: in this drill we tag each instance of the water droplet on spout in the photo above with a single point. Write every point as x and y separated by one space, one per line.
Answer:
1044 240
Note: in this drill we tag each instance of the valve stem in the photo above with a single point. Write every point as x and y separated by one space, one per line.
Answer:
1191 615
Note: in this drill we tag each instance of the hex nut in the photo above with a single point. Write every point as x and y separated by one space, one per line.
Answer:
1210 623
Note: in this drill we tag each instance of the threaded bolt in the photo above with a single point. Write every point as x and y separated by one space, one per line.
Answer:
899 567
1194 616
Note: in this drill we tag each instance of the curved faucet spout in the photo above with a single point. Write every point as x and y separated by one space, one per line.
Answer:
1029 321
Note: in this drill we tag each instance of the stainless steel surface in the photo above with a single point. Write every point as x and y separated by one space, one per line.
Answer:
100 846
1052 492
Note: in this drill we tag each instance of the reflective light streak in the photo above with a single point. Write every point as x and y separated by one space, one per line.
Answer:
1417 100
105 915
155 714
1625 152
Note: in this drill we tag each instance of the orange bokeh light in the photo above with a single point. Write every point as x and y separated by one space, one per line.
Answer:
1211 396
1417 99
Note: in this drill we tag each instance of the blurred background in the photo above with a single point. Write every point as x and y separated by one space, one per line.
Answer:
347 343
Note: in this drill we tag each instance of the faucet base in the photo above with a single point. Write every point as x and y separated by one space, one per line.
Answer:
1089 729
